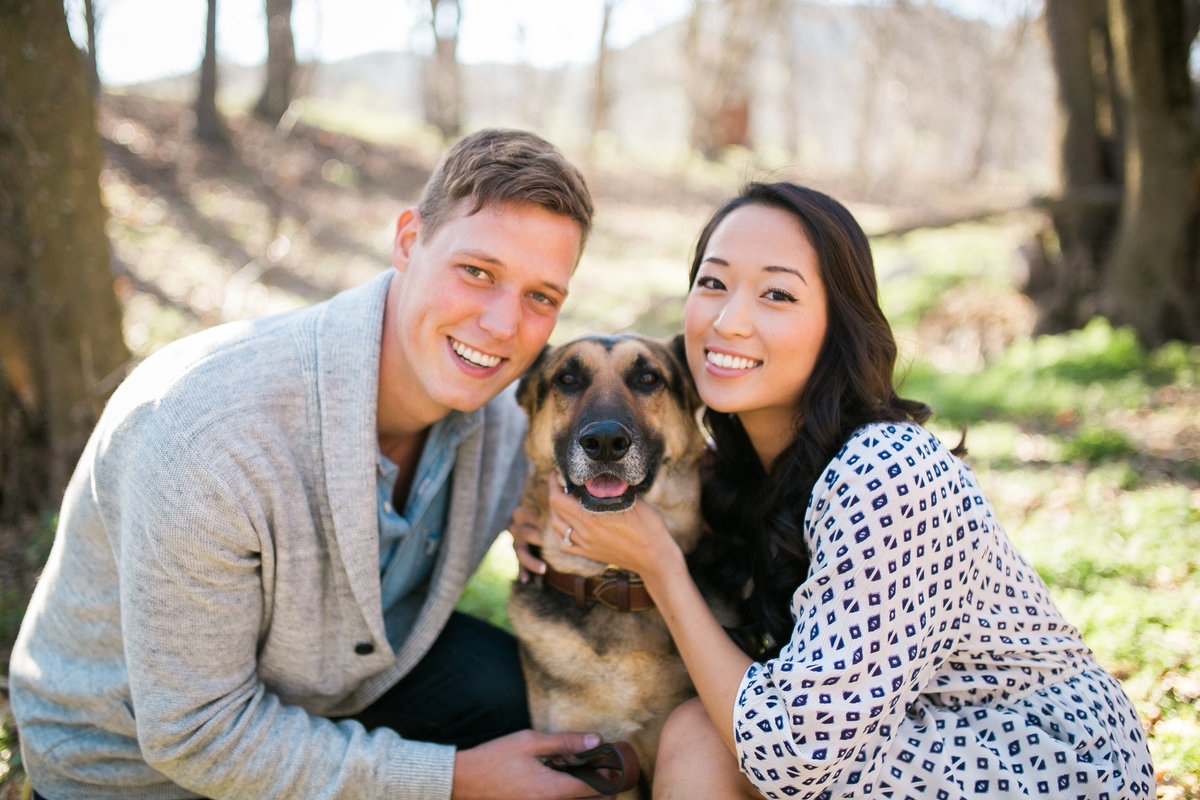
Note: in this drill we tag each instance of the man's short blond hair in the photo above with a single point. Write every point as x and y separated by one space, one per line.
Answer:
498 167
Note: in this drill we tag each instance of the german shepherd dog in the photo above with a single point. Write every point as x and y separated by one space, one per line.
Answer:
615 417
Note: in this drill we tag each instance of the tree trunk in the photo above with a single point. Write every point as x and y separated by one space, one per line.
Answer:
995 90
600 91
61 349
444 100
874 60
782 11
209 125
89 15
1130 131
1147 281
720 56
1063 287
281 63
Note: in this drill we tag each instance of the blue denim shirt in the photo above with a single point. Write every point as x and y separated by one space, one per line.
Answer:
409 538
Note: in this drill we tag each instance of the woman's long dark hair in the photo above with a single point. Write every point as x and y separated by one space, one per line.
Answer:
758 514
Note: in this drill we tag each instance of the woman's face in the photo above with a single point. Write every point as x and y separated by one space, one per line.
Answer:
755 317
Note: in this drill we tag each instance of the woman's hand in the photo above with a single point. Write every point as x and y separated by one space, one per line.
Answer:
636 539
526 533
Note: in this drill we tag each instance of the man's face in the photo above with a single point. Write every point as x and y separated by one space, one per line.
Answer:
473 305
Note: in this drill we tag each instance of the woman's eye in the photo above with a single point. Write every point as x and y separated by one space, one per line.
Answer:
475 272
709 282
543 299
779 295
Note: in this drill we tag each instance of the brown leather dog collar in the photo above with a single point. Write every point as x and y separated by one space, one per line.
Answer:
614 588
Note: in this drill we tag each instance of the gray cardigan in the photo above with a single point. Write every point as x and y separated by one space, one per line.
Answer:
213 590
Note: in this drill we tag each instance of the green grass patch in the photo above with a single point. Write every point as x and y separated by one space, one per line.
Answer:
486 595
1094 445
1082 373
917 270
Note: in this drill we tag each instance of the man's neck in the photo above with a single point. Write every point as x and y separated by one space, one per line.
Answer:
405 452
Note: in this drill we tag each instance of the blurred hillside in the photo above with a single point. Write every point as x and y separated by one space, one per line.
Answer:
902 99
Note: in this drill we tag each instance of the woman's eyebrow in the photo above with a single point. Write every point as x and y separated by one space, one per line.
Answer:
796 272
768 268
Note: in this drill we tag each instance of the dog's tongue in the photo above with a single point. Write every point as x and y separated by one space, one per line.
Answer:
606 486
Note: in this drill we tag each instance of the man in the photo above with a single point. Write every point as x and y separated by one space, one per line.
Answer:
251 588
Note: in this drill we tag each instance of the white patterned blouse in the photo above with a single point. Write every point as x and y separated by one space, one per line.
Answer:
928 659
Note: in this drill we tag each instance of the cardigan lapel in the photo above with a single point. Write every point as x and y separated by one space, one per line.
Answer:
348 341
453 566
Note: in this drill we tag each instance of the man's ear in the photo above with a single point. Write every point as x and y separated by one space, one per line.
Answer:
527 386
408 226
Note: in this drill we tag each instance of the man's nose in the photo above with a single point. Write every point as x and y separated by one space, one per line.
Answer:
501 317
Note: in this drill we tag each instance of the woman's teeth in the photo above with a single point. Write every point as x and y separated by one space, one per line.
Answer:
729 362
472 356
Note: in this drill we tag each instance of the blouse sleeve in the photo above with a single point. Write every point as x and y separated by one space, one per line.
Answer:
894 535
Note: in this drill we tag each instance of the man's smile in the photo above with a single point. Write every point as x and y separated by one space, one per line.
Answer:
474 357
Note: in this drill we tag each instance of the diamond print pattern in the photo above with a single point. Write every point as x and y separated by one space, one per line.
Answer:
927 659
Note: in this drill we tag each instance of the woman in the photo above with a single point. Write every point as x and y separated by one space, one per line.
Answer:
899 645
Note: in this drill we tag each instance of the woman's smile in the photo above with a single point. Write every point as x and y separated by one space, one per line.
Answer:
721 363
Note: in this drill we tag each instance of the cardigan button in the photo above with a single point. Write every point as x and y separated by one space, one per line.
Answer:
364 648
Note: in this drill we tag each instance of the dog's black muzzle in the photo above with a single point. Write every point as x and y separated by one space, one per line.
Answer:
606 463
605 441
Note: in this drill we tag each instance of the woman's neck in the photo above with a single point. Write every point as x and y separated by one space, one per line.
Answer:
769 435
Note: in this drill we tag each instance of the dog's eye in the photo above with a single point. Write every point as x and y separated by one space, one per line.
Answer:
648 378
566 379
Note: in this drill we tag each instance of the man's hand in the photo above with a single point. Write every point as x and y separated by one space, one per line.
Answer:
525 532
511 768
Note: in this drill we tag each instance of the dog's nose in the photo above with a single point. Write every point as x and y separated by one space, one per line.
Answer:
605 441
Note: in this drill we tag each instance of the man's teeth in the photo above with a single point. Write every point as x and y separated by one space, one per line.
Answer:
473 356
730 362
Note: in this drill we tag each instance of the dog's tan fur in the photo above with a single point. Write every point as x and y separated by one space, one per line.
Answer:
602 670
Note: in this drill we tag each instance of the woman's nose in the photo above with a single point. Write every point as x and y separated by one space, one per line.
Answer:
734 318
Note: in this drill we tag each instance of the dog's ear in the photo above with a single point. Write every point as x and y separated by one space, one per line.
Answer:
527 386
676 346
686 386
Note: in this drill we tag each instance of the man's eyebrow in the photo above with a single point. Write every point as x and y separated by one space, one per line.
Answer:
479 255
554 287
487 258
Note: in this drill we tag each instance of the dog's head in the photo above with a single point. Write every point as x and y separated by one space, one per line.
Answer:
608 413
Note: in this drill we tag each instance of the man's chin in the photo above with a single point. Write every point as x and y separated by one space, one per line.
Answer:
476 397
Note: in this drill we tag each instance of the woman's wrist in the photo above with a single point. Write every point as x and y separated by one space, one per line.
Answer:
668 566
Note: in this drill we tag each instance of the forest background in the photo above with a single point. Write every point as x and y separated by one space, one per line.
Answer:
1029 173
